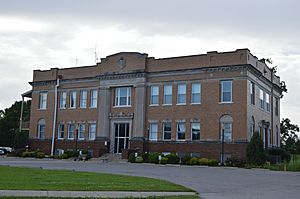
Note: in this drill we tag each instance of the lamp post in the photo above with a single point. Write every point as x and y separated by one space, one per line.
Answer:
222 153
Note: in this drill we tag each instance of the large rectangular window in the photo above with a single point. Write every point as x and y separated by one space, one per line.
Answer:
123 96
262 100
268 101
195 131
196 93
167 130
43 100
61 131
83 98
226 91
154 95
92 131
252 93
180 131
73 95
167 94
63 100
81 129
181 94
71 129
94 98
153 131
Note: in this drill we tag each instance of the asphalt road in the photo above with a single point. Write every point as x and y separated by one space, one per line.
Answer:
210 182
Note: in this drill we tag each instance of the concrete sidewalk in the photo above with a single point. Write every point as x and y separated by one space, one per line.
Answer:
90 194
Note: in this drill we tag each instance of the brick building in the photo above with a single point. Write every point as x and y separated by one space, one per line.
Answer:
179 104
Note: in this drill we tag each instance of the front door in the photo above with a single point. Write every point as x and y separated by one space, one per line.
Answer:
121 136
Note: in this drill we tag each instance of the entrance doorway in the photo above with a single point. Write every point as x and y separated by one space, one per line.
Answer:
121 131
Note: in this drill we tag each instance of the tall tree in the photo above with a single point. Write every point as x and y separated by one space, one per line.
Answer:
9 125
255 151
288 134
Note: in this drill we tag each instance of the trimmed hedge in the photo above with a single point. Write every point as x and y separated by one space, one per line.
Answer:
172 158
139 159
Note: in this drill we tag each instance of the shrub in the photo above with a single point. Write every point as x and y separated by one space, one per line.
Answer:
235 162
255 151
185 159
26 154
145 157
40 155
164 160
172 158
278 152
139 159
212 162
153 157
63 156
193 161
131 157
203 161
71 153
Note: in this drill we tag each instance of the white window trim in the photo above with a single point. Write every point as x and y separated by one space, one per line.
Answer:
78 135
59 132
81 99
150 130
151 103
41 100
163 130
195 103
182 103
128 95
75 99
62 93
180 140
169 104
92 97
222 100
74 129
90 130
192 131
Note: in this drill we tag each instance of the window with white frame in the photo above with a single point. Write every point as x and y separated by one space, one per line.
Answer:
167 130
252 93
83 98
73 95
180 131
123 96
81 129
226 91
196 93
262 100
154 95
195 130
61 131
153 131
92 131
181 94
226 127
168 94
41 129
94 98
268 102
71 130
43 100
63 100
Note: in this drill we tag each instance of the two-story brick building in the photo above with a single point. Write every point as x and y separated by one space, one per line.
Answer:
178 104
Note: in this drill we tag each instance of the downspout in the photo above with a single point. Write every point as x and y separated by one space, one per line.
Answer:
54 117
21 115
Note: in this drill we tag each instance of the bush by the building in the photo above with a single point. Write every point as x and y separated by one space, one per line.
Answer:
139 159
172 158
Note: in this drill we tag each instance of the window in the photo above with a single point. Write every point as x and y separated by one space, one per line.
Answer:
41 129
61 131
195 130
252 93
226 126
262 101
92 131
196 93
181 93
252 126
71 128
226 91
268 101
154 95
123 96
94 98
180 131
83 98
81 129
153 131
63 100
73 95
43 100
167 128
168 94
276 106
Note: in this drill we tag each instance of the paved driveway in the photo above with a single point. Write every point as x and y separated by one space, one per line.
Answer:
210 182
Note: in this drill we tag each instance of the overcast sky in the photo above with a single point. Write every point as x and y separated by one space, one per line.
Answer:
36 34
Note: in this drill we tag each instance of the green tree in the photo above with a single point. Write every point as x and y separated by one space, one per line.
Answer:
255 151
288 135
9 125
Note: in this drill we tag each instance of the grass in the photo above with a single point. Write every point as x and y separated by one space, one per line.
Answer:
293 165
15 178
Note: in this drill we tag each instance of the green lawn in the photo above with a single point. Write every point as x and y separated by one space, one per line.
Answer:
15 178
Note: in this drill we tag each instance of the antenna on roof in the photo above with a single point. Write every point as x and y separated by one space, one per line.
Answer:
97 59
76 62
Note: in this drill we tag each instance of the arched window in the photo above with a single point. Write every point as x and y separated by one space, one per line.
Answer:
41 129
252 126
226 126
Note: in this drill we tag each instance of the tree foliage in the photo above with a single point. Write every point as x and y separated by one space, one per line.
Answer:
9 125
255 151
288 135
